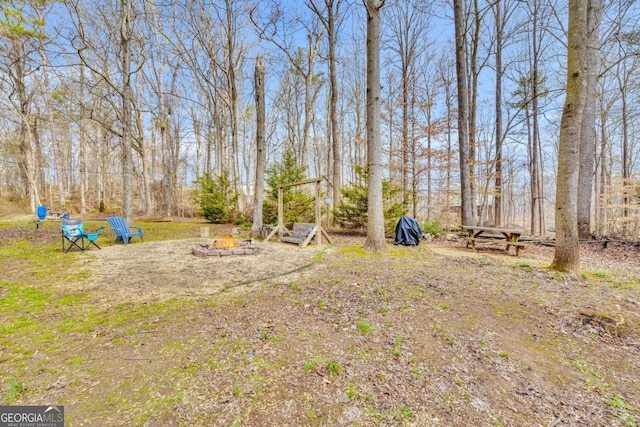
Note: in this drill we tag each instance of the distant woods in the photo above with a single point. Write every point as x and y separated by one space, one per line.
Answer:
126 105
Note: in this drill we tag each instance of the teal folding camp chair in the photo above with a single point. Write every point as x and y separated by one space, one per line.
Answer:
74 235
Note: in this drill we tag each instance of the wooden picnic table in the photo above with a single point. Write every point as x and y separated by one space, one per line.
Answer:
508 236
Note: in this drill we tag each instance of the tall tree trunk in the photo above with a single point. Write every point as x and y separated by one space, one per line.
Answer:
375 225
466 199
447 81
82 143
233 95
626 154
588 131
472 106
220 160
27 151
333 105
141 148
261 154
127 144
497 201
567 251
310 95
430 124
601 201
415 173
197 131
535 135
330 22
404 147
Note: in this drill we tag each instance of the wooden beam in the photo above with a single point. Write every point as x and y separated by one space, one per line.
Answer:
306 241
271 234
318 214
326 235
306 181
280 209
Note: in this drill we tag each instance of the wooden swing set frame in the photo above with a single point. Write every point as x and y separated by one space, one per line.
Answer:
317 231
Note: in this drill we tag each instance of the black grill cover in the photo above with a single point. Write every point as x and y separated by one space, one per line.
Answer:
408 232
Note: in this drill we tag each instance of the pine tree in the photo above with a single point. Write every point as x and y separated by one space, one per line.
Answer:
351 213
298 204
217 198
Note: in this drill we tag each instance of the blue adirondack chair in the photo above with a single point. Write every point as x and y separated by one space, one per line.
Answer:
123 231
77 237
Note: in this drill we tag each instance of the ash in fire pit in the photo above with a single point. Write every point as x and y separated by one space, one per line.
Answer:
224 247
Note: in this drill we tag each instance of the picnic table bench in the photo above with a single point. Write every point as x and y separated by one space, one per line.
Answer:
508 236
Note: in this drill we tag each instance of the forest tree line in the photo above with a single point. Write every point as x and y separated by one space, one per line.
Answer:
128 103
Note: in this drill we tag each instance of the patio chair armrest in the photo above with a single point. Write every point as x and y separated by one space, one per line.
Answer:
94 233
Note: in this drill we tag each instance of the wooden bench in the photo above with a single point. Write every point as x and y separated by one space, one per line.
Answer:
497 240
299 233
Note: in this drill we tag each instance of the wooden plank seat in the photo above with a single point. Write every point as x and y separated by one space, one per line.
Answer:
299 233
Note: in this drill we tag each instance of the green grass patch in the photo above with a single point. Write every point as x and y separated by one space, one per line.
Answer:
402 252
363 326
20 298
15 391
616 401
355 250
294 285
334 368
310 364
75 360
402 412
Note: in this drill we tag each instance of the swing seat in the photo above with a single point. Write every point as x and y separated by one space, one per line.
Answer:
299 233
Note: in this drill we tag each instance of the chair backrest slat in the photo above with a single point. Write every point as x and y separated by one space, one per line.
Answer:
72 228
118 224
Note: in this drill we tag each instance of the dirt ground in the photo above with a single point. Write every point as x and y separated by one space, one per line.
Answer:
435 335
168 269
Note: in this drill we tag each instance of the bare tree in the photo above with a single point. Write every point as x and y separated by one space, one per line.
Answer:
588 130
466 197
303 61
82 144
537 209
55 143
127 115
261 155
331 20
95 55
375 210
567 251
19 40
445 75
497 202
409 27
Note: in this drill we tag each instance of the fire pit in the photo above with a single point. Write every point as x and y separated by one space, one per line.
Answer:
225 247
